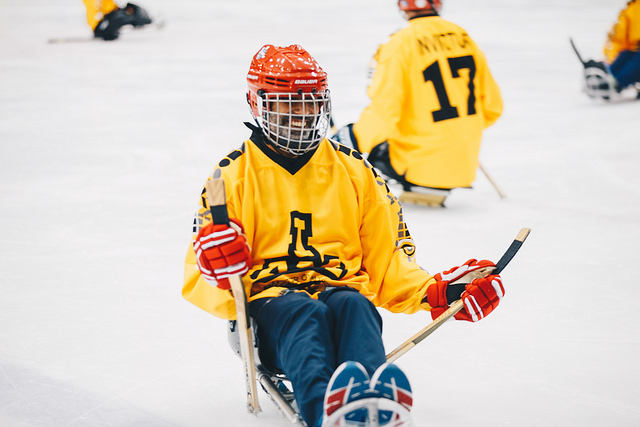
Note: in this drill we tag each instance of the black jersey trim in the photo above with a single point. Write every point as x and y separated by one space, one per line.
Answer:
424 15
290 164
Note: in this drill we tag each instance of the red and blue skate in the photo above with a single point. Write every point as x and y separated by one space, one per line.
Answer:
350 382
389 382
354 399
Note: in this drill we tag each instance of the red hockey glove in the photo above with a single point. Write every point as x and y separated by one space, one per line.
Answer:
222 251
480 297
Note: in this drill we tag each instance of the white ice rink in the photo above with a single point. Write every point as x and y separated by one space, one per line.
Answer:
104 148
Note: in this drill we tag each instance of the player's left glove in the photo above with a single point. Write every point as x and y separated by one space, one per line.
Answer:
481 296
222 251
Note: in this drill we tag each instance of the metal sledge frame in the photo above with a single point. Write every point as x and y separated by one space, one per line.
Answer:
280 394
275 384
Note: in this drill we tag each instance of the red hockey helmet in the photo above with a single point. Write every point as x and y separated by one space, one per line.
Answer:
289 98
419 4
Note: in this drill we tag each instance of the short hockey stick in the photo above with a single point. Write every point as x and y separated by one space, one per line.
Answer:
216 197
459 305
486 174
575 49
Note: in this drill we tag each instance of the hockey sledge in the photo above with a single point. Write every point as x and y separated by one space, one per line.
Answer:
424 196
431 197
598 82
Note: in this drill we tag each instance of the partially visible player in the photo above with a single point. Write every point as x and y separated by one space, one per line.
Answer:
621 67
622 49
321 243
106 18
432 95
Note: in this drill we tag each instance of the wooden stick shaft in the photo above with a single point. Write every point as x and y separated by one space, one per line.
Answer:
425 332
216 197
484 171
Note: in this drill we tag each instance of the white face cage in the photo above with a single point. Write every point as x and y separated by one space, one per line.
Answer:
294 123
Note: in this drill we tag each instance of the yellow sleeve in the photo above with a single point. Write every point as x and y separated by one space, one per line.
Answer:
397 281
199 292
489 92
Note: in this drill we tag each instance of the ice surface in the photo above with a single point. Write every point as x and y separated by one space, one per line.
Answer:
104 150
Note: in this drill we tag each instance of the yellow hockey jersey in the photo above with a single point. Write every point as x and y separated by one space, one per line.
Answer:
625 33
322 219
432 95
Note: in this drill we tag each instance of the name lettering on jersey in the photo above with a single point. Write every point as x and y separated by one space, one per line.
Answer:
445 42
303 262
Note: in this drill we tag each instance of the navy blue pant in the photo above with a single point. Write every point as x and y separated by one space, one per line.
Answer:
626 68
308 339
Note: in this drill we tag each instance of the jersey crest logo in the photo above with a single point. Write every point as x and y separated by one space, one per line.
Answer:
301 257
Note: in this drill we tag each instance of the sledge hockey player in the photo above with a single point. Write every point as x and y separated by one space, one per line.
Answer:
320 242
106 18
621 68
432 95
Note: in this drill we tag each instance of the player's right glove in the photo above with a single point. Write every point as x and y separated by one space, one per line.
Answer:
481 296
222 251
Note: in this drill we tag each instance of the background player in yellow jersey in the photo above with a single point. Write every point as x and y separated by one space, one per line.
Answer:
106 18
621 67
432 95
321 243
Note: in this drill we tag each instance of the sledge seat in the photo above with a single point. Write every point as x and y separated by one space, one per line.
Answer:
432 197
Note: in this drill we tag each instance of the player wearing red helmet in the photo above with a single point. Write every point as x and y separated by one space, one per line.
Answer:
432 95
289 98
320 242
